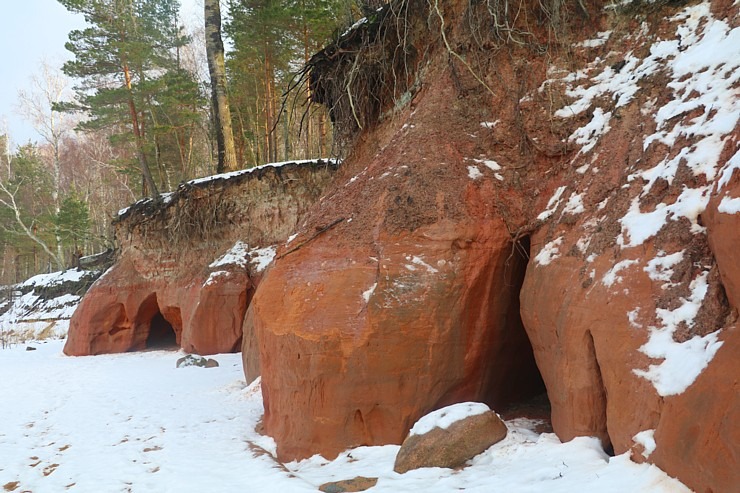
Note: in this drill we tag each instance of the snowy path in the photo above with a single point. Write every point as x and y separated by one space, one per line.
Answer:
135 423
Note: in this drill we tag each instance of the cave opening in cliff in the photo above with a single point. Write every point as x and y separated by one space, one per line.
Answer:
517 388
161 333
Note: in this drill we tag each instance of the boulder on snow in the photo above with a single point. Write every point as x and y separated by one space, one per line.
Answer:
360 483
193 360
450 436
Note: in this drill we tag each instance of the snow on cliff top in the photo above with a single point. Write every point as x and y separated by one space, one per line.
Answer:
168 197
234 174
73 424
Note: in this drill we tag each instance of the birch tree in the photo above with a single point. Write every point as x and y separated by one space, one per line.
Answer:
38 104
26 215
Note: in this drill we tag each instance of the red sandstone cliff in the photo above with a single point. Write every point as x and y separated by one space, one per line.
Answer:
188 266
581 198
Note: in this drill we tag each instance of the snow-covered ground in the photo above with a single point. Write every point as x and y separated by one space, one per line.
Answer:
135 423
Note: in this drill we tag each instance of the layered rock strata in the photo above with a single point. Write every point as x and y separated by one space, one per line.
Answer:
188 265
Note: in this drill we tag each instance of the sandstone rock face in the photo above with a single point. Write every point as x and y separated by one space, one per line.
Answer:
187 267
519 219
401 292
450 446
361 342
630 298
722 220
408 303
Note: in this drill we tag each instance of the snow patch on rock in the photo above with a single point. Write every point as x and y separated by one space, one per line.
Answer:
612 276
601 38
729 169
261 258
474 173
682 361
588 136
489 163
215 276
729 205
369 292
646 438
445 417
241 255
55 278
416 260
552 204
638 226
574 204
549 252
660 267
236 255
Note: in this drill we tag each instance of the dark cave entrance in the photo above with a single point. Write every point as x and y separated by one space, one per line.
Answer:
156 327
516 388
161 334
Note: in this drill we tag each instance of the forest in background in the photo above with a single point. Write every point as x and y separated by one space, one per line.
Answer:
137 95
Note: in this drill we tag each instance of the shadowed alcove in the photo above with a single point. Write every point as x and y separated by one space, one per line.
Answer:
153 329
161 334
516 387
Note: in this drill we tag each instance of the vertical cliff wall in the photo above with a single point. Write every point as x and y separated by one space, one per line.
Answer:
589 186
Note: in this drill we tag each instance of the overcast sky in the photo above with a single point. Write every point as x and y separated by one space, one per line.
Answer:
36 30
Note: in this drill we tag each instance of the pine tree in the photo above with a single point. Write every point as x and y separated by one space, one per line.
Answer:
272 39
72 222
122 60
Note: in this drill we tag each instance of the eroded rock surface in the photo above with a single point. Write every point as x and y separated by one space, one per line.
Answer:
188 266
363 341
618 165
407 304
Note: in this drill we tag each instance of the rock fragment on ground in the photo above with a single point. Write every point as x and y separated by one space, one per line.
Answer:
194 360
450 437
360 483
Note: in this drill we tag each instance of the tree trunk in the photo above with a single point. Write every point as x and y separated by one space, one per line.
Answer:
306 57
219 98
322 134
269 146
275 116
286 135
57 187
145 171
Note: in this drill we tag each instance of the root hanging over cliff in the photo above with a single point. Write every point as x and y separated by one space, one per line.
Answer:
375 67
